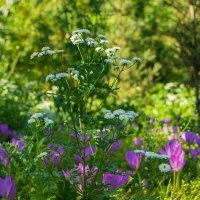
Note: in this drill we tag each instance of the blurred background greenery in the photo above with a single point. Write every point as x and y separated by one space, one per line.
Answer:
165 34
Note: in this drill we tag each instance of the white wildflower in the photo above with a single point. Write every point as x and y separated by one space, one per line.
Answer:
102 36
110 52
37 115
91 42
49 77
150 154
91 72
109 115
119 112
41 54
77 39
160 156
114 57
139 151
137 59
33 55
49 52
109 61
125 62
60 51
164 167
61 75
31 121
45 48
103 42
98 49
81 31
116 48
123 117
48 122
42 154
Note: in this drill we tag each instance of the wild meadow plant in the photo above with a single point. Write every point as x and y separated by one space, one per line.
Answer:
82 163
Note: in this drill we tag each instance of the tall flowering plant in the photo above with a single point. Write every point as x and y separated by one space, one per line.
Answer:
95 134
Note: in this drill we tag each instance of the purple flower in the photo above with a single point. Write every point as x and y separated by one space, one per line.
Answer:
7 188
198 141
175 129
78 136
165 121
77 175
54 155
4 129
115 180
194 152
19 144
189 137
138 142
133 159
115 146
4 157
176 155
88 152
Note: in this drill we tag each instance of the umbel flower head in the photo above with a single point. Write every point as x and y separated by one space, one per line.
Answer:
7 188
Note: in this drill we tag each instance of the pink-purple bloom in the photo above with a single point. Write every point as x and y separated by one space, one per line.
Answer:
176 155
189 137
19 144
54 156
133 159
76 176
7 188
4 157
6 132
115 146
138 142
194 153
88 152
115 181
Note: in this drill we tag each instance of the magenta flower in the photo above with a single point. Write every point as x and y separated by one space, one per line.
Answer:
4 157
54 156
116 180
176 155
76 176
78 136
189 137
194 153
7 188
19 144
115 146
165 121
138 142
198 141
88 152
133 159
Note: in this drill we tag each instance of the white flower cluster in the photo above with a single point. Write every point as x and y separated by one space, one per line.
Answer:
39 116
91 42
35 117
77 36
137 59
125 62
48 122
52 77
120 114
74 73
45 51
164 167
150 154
